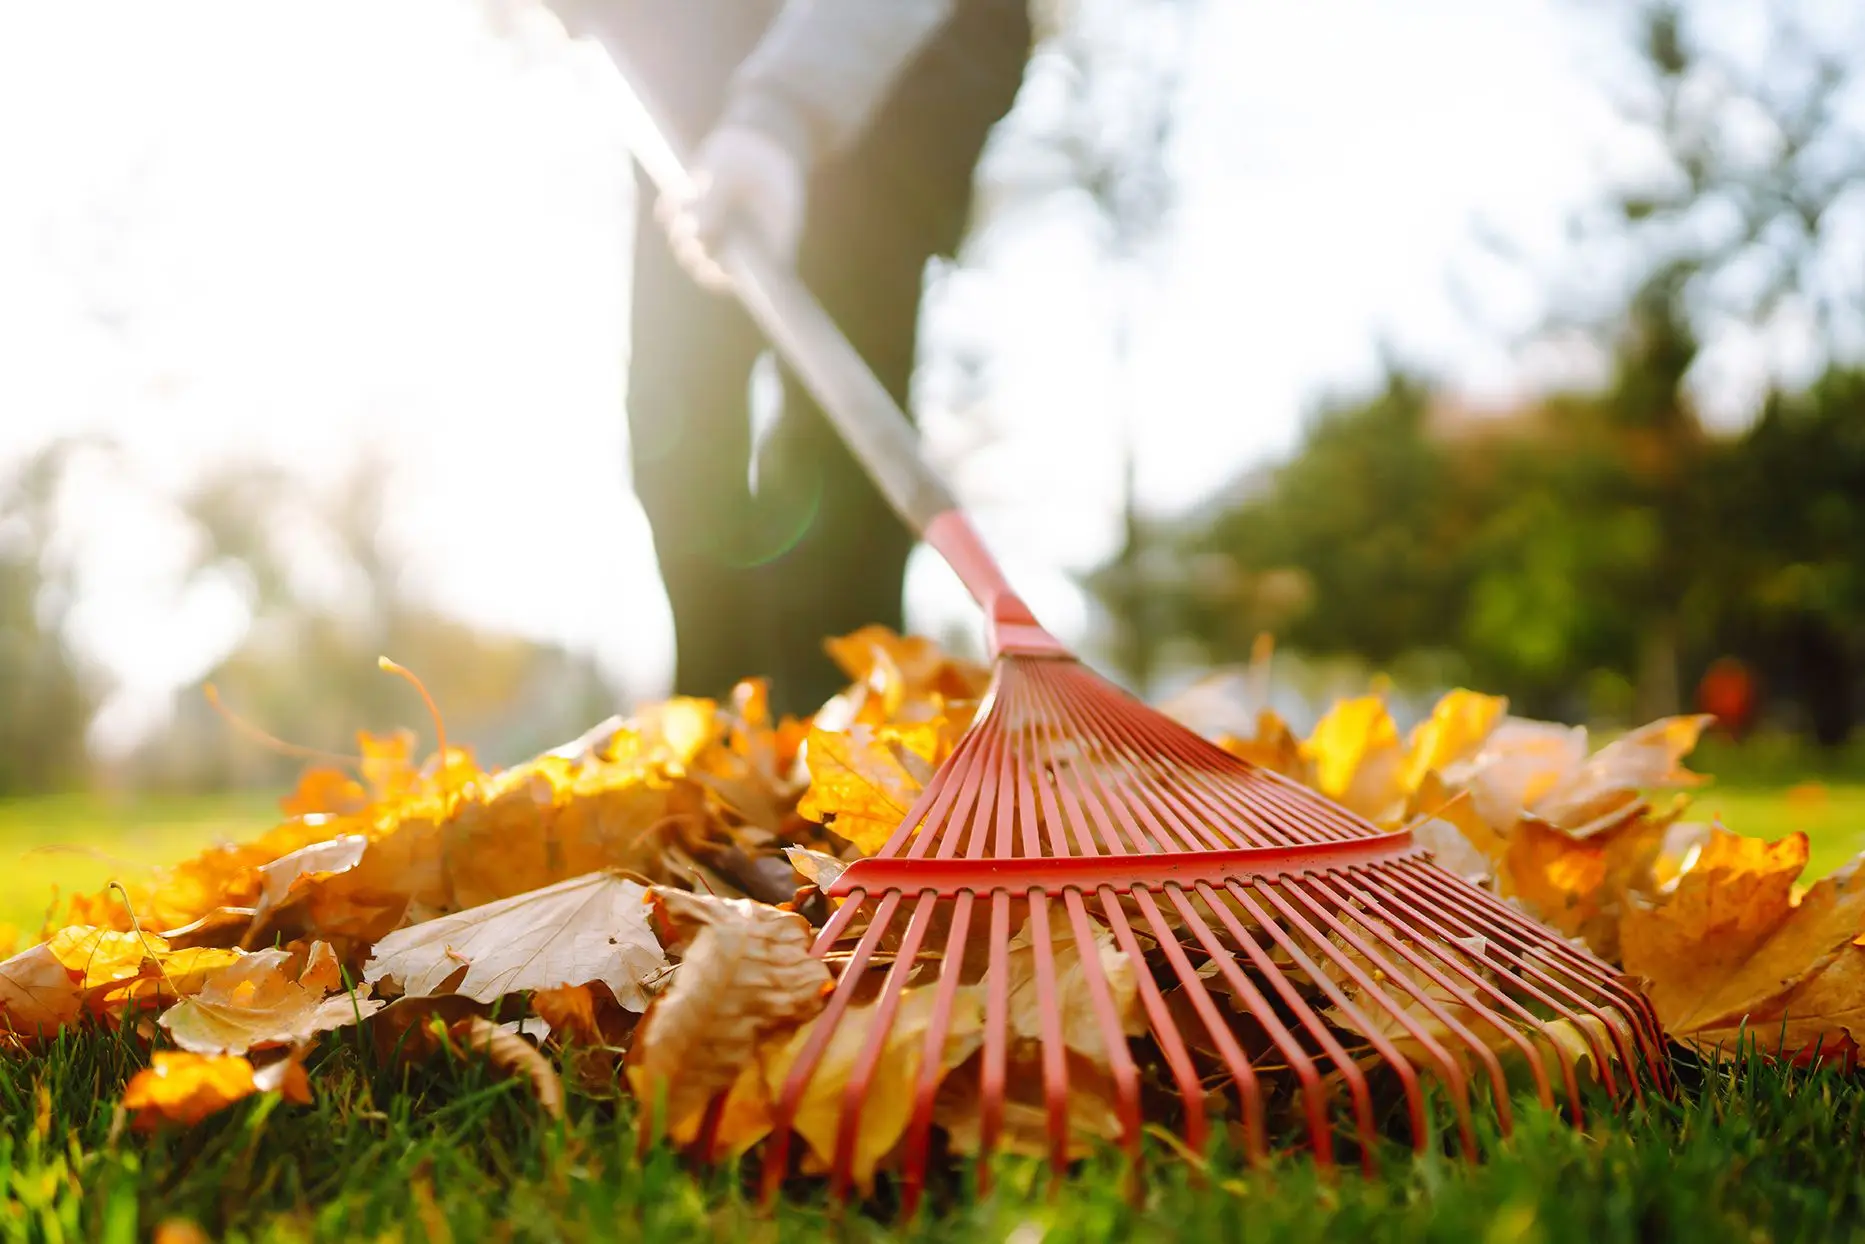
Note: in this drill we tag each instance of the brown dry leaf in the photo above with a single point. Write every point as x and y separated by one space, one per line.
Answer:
38 993
184 1088
1092 1116
818 868
252 1003
512 1055
860 785
1079 1022
746 978
285 878
1731 945
1823 1012
591 928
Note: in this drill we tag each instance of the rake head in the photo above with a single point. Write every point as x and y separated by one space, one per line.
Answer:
1106 918
1228 947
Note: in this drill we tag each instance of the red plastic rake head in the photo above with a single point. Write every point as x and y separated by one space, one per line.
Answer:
1187 938
1297 969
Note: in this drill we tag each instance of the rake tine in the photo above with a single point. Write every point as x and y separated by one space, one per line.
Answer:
1557 953
796 1082
1249 1092
1100 995
1373 892
1055 1052
1482 1053
996 1032
1381 929
919 1126
885 1008
1350 1071
1314 1096
1171 1044
1402 1066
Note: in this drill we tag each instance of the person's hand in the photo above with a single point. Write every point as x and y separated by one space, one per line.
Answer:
745 185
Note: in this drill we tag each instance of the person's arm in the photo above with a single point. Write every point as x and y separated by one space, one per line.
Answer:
824 66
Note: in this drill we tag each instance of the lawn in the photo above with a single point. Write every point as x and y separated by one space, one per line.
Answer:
1752 1153
441 1151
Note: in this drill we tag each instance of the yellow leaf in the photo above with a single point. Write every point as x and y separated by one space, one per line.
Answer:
887 1105
38 994
252 1003
1357 758
1454 731
858 786
103 956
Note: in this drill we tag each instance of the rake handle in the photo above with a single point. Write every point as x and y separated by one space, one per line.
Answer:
859 407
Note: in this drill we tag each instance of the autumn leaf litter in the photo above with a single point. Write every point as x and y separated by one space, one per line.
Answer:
634 913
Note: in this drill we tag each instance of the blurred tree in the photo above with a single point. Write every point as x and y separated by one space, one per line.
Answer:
1605 538
47 696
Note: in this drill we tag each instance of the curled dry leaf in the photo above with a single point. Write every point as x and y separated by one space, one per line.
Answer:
591 928
512 1055
252 1003
285 877
746 978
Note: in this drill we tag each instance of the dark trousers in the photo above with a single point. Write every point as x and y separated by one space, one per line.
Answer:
758 578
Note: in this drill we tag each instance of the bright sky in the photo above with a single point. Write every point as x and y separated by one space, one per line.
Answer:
241 228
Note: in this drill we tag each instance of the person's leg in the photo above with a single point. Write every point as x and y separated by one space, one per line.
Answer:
876 216
690 360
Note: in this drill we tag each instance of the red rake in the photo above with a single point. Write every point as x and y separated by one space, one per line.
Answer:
1354 962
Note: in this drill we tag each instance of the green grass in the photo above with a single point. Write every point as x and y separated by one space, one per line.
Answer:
1747 1153
1755 1153
68 844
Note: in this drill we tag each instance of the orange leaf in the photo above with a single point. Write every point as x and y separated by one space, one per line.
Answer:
1701 950
185 1088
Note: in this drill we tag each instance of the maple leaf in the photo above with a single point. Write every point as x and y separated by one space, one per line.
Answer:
746 976
859 784
585 929
1730 944
252 1003
102 956
902 675
1581 885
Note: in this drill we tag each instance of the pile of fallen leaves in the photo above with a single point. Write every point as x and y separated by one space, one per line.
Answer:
634 912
